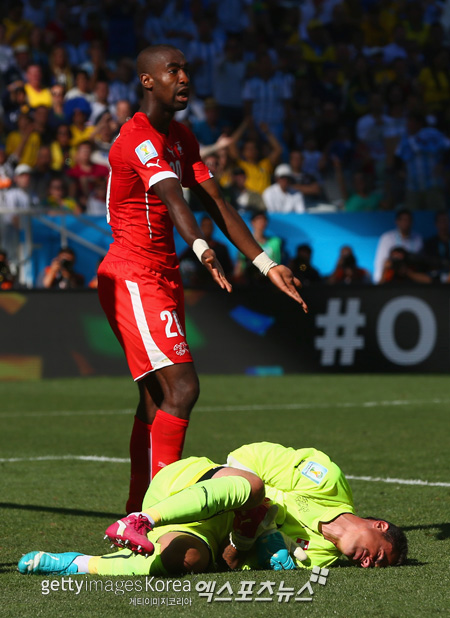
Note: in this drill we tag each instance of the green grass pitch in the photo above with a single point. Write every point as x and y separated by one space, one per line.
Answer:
381 427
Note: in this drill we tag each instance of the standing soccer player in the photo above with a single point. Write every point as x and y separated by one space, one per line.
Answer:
139 284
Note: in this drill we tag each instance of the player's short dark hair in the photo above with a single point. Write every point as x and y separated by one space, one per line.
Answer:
397 538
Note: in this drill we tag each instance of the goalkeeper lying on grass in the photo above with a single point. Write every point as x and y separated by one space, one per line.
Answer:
270 507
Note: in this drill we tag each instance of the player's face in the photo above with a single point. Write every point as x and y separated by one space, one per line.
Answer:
170 79
367 547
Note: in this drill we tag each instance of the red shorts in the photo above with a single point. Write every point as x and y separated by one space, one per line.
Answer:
146 312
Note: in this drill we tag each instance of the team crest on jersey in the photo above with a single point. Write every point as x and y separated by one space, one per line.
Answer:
314 472
146 151
181 348
179 147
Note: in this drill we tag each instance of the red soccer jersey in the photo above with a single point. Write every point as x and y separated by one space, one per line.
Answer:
139 158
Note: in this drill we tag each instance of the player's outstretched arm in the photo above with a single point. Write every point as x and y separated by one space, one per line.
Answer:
170 193
234 228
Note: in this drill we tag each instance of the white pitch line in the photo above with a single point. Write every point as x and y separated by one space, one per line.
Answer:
246 408
97 458
378 479
66 458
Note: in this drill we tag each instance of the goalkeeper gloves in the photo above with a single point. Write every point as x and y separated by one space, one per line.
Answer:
273 553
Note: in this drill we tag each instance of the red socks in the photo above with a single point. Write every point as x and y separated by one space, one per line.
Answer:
167 439
140 455
153 447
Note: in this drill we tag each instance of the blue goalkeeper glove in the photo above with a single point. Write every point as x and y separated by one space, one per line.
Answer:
272 553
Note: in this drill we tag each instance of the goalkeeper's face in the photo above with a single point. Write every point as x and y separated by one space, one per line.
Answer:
367 547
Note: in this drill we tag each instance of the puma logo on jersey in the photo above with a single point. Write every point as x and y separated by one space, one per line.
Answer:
170 150
154 164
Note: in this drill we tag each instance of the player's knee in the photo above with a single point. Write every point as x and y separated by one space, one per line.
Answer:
185 554
184 393
257 491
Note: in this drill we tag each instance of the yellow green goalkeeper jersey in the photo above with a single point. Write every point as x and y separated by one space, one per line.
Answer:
308 489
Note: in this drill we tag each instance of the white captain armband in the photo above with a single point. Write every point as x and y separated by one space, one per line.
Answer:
199 246
264 263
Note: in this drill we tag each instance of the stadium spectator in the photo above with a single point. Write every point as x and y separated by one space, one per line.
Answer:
61 150
41 173
209 130
436 250
363 197
98 67
18 29
57 115
38 48
23 145
347 270
141 266
6 54
301 265
100 103
37 93
7 279
57 196
122 111
268 97
79 129
303 181
402 267
281 196
372 131
6 172
240 197
41 120
260 482
193 273
124 87
103 138
244 274
96 201
258 169
229 76
17 199
420 153
60 274
402 236
85 172
60 71
76 48
202 53
82 87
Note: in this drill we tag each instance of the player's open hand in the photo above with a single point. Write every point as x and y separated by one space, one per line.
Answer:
210 261
282 277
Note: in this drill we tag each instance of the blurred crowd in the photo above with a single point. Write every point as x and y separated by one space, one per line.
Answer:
298 106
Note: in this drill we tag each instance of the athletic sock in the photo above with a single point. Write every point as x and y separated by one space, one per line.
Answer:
125 562
141 462
167 440
82 563
201 501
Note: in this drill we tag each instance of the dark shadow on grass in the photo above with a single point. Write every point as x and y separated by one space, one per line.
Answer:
343 563
443 529
62 511
7 567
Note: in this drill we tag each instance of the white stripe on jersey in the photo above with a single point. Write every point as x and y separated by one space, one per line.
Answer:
157 358
108 195
160 176
147 215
